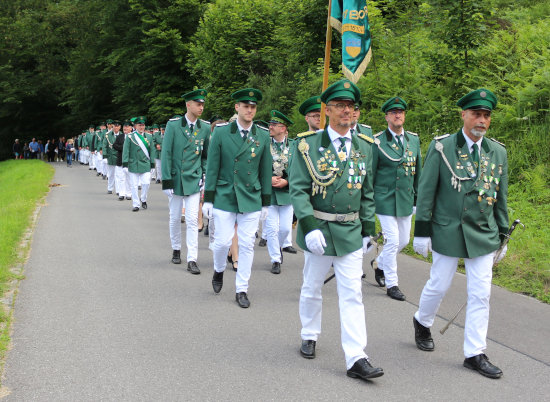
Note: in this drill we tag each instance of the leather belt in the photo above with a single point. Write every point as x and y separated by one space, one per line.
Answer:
336 217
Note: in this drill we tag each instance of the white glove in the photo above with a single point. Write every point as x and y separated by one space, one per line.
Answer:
125 170
207 209
263 214
315 242
169 192
422 245
414 210
368 245
501 255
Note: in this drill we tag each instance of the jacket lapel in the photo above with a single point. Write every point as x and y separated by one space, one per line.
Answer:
244 145
462 163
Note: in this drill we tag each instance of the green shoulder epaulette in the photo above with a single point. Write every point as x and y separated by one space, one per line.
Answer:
365 125
305 134
377 134
366 138
205 121
175 118
442 136
498 142
222 124
410 132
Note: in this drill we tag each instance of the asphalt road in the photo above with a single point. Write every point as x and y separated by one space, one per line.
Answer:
104 316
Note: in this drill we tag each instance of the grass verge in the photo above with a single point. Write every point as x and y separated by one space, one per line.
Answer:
22 185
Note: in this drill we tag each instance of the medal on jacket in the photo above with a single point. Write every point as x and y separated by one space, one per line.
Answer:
252 154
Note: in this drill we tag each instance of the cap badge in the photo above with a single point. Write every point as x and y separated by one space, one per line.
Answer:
251 93
346 85
483 94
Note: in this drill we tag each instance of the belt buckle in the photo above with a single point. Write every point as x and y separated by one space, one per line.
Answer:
340 217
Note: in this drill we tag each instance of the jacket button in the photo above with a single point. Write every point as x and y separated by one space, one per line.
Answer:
334 206
335 191
247 185
481 211
248 172
235 171
465 209
236 160
249 161
397 177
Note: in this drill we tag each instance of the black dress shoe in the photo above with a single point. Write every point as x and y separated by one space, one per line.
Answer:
176 259
135 209
206 231
200 230
290 250
158 181
193 268
307 350
242 300
128 198
121 198
483 366
109 192
104 177
217 281
395 293
378 275
423 337
262 243
364 370
144 205
276 268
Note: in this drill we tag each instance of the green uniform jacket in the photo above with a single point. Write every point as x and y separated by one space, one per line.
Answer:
133 156
238 173
281 158
108 152
157 140
364 129
99 137
183 156
341 237
463 223
395 179
89 138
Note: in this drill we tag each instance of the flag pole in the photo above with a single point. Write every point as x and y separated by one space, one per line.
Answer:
328 44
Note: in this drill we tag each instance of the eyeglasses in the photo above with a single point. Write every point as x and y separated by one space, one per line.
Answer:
315 115
341 106
396 111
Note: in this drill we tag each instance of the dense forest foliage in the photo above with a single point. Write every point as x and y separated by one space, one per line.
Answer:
67 63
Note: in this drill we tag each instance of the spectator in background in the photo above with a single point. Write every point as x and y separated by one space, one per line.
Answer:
17 149
26 151
52 151
61 149
69 148
34 149
41 150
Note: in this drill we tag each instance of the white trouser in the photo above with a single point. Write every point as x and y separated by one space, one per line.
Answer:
99 162
264 229
348 270
278 225
175 203
225 229
158 171
86 156
120 181
143 180
110 172
105 166
288 241
396 231
128 182
92 160
479 272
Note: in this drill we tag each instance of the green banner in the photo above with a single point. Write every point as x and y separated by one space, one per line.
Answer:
350 18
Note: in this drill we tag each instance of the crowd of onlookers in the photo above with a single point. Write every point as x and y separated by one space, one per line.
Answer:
53 151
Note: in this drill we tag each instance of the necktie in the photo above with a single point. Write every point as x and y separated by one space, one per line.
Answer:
342 151
191 127
399 139
475 155
244 135
352 131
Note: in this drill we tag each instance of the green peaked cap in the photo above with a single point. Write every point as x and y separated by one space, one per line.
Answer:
278 117
343 89
479 99
247 95
310 105
139 120
394 103
197 95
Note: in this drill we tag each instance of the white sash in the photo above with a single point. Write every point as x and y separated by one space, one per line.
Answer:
142 146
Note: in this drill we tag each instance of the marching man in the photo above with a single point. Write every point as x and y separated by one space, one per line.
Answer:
183 162
462 213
